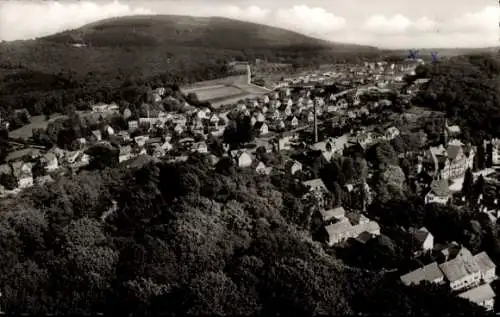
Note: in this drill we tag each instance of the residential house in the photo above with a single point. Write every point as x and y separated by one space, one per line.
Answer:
200 147
463 271
140 140
284 141
280 124
260 117
486 266
315 185
178 129
310 117
482 295
424 238
262 169
331 147
261 128
391 133
337 213
439 192
96 136
430 273
452 162
214 120
274 115
242 158
25 179
50 162
125 153
45 179
133 125
495 151
293 122
343 230
109 130
293 166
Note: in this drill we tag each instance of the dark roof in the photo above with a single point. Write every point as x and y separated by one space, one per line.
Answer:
258 125
453 151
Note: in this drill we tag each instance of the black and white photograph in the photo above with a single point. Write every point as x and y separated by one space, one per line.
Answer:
249 157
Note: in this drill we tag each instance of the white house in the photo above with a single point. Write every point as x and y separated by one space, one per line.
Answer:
439 192
261 128
242 158
391 133
50 162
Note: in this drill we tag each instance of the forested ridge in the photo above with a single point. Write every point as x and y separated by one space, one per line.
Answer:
184 239
467 88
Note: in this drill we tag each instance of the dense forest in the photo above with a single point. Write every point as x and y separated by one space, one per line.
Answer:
467 89
184 239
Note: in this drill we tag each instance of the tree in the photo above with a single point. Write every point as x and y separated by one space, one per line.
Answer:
480 186
467 186
489 154
8 181
480 158
102 156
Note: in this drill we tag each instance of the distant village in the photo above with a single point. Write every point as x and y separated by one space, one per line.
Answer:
287 120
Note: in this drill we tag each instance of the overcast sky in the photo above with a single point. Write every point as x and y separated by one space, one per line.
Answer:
383 23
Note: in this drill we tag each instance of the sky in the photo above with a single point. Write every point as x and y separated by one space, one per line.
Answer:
382 23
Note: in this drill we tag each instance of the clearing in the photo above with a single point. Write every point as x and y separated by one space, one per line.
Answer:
36 122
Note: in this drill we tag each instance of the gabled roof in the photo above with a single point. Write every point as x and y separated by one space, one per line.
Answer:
315 183
479 294
459 268
258 125
430 272
453 151
484 262
421 234
338 213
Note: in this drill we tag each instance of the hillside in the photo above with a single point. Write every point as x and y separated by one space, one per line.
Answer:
212 32
147 49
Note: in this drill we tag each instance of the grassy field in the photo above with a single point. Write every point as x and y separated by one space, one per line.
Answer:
219 92
36 122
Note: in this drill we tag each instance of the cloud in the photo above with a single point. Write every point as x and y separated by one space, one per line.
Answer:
309 20
381 24
302 18
252 13
24 20
470 22
483 20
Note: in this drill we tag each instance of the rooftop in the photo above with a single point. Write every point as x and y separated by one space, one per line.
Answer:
479 294
430 272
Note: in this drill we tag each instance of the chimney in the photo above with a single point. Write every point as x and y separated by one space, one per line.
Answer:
315 125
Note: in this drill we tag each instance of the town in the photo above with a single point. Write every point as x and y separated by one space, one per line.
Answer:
354 115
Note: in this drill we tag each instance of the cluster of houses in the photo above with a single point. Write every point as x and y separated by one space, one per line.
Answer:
468 275
345 226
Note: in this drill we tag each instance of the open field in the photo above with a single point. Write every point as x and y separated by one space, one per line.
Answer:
36 122
229 80
217 92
